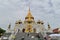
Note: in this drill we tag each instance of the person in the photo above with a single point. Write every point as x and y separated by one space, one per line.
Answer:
22 38
46 37
49 38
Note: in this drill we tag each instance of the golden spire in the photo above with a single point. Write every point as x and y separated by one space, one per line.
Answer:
29 13
29 16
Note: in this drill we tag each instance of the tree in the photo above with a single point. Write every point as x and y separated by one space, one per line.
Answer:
2 31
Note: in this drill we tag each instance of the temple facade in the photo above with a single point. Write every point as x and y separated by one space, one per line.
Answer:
29 29
29 25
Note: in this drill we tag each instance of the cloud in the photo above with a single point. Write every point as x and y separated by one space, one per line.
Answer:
46 10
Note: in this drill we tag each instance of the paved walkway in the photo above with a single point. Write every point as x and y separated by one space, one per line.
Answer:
0 38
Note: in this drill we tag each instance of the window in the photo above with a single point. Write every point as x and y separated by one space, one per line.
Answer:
23 30
19 22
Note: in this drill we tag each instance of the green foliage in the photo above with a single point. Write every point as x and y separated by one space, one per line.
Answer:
2 31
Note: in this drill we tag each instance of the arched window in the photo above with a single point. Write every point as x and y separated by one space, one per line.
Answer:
23 30
42 23
19 22
32 17
29 22
26 18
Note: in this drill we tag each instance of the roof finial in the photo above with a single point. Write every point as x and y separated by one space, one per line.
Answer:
9 26
29 9
29 5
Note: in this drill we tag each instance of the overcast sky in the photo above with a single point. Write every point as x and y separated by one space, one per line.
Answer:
46 10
